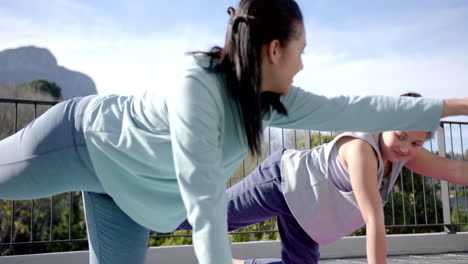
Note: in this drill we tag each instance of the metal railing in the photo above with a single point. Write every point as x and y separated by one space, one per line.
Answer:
416 204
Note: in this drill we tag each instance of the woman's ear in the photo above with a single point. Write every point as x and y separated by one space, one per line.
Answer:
273 51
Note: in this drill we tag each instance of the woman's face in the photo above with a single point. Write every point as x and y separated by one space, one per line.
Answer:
401 145
282 63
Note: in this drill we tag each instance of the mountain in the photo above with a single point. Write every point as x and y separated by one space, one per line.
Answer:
25 64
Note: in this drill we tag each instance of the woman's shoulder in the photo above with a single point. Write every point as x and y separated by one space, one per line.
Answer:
200 68
196 86
200 65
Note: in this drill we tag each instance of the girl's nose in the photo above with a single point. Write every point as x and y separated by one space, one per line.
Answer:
403 148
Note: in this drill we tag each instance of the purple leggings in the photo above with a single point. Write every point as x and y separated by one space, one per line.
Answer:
258 197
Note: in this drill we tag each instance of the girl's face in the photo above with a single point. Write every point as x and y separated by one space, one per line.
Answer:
282 63
401 145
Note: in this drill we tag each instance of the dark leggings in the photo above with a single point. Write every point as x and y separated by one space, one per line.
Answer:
259 197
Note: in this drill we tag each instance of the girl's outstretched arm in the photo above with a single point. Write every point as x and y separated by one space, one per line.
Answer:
429 164
361 161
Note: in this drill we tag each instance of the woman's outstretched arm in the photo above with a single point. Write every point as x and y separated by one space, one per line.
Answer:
364 113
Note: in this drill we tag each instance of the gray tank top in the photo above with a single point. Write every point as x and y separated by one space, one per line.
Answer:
324 205
337 172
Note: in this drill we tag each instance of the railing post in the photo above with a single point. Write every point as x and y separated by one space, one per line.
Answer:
444 187
307 139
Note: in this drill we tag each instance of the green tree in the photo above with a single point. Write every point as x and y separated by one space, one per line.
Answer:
47 87
39 90
316 139
415 199
460 215
47 216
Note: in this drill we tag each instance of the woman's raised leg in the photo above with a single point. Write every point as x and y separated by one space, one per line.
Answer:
48 156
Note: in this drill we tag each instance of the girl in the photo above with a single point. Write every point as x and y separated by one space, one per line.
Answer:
150 161
323 194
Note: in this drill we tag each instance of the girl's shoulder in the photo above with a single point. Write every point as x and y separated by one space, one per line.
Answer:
351 144
357 139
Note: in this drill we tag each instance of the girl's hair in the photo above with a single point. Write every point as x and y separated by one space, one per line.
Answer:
253 24
430 134
412 94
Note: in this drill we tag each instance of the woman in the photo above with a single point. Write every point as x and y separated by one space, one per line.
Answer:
150 161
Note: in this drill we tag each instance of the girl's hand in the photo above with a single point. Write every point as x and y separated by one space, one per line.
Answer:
454 107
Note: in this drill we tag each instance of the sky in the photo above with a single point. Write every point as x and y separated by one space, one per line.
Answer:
356 47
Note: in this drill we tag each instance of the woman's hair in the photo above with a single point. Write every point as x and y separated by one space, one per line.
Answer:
253 24
430 134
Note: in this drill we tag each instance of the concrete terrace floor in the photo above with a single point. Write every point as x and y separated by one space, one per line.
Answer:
410 259
429 248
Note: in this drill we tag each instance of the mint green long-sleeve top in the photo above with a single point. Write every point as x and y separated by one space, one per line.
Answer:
166 157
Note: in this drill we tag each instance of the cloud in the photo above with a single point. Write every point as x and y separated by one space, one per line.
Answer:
434 75
410 30
117 60
426 51
134 63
